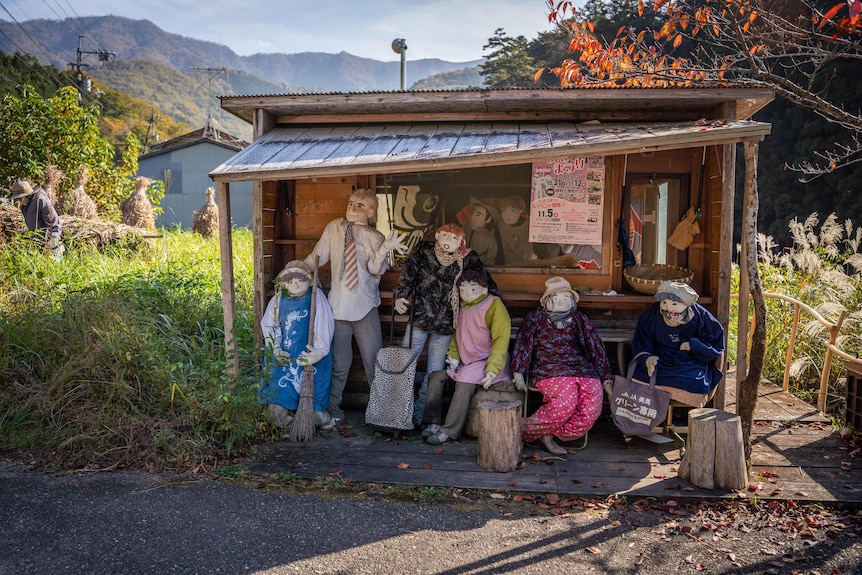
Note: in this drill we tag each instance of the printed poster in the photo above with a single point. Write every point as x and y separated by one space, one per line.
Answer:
567 201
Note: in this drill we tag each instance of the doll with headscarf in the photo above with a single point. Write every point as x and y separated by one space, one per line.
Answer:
558 349
429 283
285 325
477 355
682 340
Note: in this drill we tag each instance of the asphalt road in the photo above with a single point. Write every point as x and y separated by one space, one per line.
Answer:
117 523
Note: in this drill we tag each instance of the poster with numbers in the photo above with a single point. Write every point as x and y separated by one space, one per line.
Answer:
566 201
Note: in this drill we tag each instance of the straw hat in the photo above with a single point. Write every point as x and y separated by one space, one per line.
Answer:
20 189
293 269
555 285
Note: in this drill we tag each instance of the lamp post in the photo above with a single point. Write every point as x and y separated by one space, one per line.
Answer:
399 46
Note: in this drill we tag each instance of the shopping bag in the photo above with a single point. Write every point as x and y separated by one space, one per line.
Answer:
637 407
390 401
685 231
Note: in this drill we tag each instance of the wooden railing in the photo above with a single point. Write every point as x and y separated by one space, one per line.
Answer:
831 348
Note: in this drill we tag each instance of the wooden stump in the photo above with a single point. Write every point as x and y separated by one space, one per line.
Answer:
714 455
501 391
499 435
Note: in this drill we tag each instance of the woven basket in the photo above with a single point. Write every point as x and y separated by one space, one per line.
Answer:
646 278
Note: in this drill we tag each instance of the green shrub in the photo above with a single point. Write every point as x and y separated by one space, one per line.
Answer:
115 358
823 270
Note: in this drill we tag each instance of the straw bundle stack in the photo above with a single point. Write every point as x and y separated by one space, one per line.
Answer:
137 209
205 221
81 205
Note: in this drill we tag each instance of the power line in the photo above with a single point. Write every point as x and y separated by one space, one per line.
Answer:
102 55
36 45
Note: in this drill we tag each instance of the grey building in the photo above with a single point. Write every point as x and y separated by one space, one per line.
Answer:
183 164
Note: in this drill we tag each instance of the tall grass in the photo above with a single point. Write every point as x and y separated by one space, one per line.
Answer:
115 357
822 269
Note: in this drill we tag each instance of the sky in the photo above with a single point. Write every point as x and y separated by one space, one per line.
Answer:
452 30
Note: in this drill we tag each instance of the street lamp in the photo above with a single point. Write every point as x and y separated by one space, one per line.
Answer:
399 46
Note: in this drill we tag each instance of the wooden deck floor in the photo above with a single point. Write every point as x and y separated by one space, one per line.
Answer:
796 454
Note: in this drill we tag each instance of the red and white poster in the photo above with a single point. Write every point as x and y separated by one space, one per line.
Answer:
567 200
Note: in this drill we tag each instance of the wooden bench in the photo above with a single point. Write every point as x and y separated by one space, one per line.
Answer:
614 317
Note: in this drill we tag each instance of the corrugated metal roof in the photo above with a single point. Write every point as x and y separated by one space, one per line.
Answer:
291 152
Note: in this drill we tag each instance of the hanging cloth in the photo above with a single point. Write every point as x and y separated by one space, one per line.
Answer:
688 227
626 253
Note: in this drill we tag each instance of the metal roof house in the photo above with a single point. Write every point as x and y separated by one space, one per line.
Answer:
630 155
183 164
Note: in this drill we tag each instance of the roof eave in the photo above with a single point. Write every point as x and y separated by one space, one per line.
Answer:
754 133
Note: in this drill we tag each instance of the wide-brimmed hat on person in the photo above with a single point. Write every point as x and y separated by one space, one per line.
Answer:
20 189
555 285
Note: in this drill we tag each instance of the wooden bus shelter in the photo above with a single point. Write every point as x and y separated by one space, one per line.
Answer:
648 155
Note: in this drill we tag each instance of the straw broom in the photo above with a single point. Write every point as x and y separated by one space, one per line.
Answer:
302 428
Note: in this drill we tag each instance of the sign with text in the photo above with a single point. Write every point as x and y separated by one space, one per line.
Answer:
566 201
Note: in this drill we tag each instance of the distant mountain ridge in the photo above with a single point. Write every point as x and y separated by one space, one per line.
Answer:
143 40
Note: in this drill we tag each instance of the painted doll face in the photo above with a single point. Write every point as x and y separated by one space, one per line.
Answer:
674 312
510 215
471 291
359 210
296 285
479 218
560 301
448 241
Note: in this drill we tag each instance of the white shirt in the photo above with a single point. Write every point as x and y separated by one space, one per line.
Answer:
371 263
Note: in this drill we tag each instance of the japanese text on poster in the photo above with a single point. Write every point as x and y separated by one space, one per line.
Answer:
566 201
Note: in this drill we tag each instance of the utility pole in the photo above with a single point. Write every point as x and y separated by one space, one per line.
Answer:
216 71
152 135
103 55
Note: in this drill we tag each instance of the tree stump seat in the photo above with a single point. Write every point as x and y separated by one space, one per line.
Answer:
714 456
500 442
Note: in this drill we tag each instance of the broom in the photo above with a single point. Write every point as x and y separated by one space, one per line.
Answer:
302 428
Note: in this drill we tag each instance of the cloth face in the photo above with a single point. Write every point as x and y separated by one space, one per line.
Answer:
560 301
674 312
449 242
296 285
471 291
359 210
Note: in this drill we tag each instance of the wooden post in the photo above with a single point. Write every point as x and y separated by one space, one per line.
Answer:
228 293
714 455
499 435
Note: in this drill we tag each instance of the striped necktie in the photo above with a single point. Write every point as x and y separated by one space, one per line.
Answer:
349 274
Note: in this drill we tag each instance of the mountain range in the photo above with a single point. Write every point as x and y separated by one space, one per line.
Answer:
183 76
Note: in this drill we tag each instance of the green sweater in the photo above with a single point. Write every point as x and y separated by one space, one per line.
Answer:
500 324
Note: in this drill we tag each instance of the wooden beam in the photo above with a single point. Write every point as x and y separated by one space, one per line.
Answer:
228 294
259 301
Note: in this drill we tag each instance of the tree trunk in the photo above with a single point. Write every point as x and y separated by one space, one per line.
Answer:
746 402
